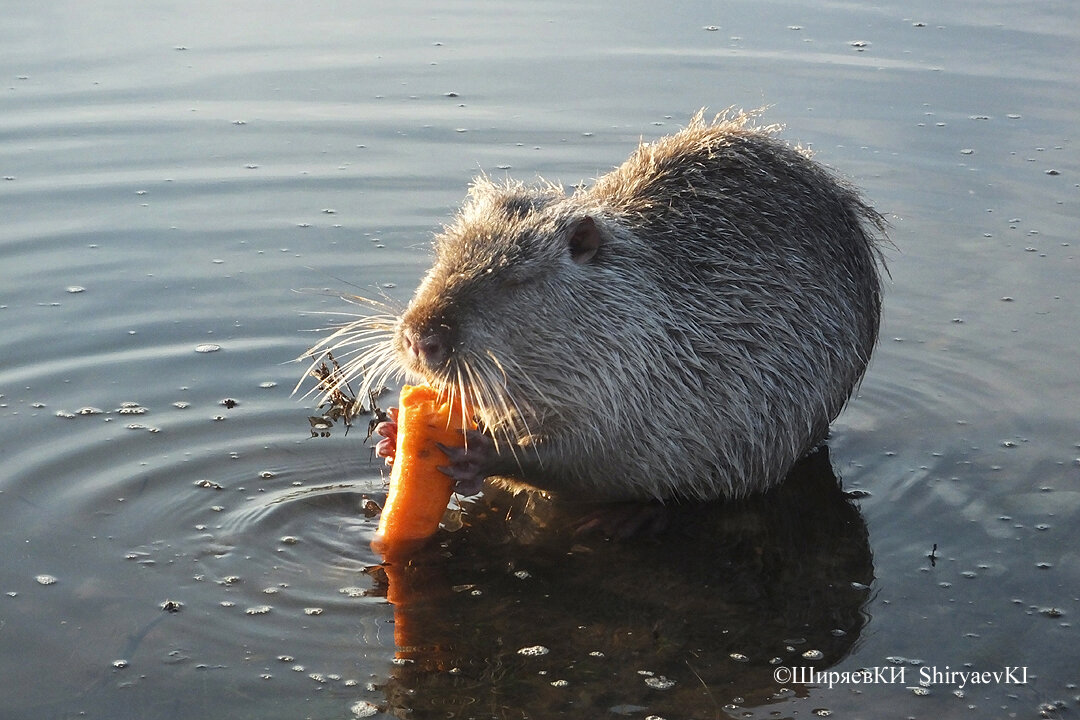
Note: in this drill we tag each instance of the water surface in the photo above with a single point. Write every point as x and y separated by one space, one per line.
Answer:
178 175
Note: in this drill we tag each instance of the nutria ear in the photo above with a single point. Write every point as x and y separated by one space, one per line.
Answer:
584 240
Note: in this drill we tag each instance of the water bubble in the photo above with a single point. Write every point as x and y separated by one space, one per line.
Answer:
533 651
900 660
363 709
660 682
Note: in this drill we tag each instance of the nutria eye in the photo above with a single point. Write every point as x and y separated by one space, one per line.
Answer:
584 240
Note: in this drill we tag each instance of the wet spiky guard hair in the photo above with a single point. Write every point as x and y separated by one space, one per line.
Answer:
686 327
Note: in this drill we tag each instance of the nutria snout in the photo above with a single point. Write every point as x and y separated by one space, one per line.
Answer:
686 327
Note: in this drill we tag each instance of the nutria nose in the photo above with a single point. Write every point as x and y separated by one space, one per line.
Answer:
430 346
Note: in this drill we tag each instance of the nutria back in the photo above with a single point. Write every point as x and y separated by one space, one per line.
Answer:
686 327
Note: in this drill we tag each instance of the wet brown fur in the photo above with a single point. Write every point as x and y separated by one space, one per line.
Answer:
727 316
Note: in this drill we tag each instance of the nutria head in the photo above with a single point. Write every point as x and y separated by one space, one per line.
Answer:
512 312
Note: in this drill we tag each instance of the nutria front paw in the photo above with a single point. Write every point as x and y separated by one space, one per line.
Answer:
469 465
387 447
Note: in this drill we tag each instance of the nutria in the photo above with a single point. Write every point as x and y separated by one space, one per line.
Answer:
685 328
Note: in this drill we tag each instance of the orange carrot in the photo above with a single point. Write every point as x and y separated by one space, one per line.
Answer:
419 491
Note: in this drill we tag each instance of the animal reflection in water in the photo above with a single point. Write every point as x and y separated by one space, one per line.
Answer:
710 607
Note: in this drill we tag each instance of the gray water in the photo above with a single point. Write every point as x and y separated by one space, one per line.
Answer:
178 175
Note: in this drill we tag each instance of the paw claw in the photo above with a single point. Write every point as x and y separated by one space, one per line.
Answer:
468 465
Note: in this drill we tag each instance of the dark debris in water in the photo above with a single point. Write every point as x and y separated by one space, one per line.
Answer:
340 403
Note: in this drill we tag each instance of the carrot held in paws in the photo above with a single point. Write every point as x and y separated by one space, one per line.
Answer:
419 491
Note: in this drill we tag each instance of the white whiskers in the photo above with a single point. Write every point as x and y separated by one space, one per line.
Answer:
362 350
